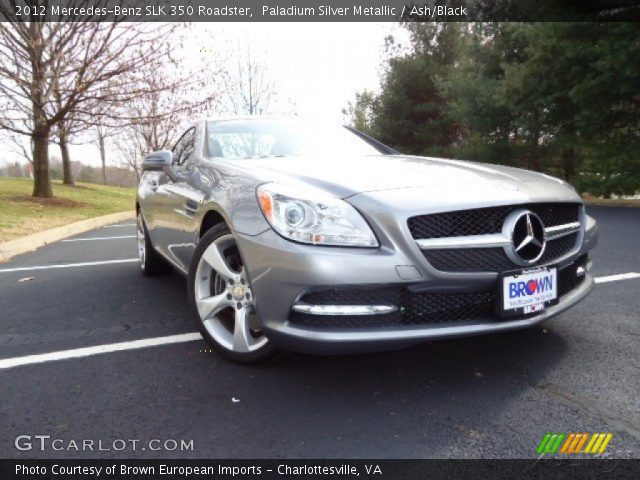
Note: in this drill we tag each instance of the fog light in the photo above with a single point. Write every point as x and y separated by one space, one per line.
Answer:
582 270
344 309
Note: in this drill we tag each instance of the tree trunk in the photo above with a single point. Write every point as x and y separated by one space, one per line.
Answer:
569 163
103 156
41 179
66 160
41 128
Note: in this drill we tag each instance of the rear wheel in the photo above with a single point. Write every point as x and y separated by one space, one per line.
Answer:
151 263
222 300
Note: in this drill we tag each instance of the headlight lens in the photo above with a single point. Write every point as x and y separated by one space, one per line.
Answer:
313 216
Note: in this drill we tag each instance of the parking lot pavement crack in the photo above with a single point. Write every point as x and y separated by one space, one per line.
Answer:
629 425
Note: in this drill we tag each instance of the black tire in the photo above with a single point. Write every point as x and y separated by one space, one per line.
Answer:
259 355
151 263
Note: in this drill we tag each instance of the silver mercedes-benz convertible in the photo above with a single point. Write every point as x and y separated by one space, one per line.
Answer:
324 240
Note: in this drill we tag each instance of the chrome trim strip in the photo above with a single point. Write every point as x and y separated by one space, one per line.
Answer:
562 230
344 309
491 240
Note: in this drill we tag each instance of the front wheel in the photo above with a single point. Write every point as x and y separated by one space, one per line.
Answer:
222 301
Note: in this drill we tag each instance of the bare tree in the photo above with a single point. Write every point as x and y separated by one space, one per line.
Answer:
174 96
248 87
100 139
132 150
78 129
85 60
63 131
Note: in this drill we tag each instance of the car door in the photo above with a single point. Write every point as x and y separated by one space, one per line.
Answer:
180 201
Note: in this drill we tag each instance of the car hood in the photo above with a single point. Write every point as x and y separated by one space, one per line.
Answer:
345 177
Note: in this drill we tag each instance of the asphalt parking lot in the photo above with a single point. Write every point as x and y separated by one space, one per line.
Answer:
481 397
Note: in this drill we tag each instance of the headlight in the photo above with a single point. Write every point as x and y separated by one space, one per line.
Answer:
313 216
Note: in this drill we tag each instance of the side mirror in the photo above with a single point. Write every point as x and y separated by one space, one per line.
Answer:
160 161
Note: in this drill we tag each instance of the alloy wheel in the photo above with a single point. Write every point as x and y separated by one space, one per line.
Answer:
224 299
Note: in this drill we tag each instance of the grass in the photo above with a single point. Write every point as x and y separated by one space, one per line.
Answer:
21 214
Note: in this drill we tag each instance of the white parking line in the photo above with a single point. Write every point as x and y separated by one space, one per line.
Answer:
67 265
97 238
120 225
97 350
616 278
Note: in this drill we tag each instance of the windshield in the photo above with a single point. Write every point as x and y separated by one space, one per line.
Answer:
280 138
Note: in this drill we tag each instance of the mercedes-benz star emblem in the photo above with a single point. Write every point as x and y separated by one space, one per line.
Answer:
238 292
527 234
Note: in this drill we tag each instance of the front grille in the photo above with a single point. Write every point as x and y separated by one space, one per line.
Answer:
493 259
416 308
558 248
469 260
444 307
480 221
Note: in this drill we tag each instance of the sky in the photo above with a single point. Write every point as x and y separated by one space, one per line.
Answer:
319 66
316 67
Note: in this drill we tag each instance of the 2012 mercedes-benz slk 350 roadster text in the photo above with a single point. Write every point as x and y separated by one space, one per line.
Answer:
324 240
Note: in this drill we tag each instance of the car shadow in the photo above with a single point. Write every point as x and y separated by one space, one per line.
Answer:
491 352
424 401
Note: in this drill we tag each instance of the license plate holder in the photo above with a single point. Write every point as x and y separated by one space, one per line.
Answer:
527 292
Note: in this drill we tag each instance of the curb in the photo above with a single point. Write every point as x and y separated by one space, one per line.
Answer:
31 242
602 204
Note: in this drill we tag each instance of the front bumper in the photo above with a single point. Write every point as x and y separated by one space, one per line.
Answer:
364 340
282 272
